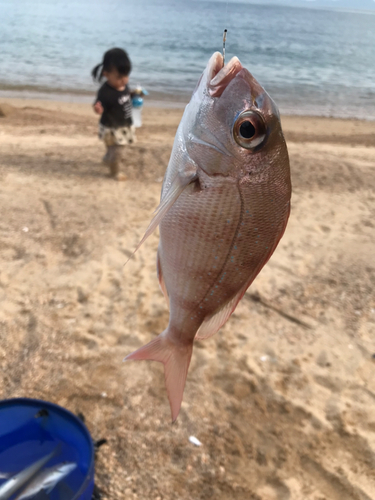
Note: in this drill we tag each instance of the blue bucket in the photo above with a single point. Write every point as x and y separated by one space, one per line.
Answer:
30 430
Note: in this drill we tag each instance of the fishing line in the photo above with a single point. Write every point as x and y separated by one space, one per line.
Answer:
225 31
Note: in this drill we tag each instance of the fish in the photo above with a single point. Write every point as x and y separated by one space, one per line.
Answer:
18 480
225 203
47 479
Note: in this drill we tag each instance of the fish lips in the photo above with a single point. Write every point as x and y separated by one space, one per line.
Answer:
218 75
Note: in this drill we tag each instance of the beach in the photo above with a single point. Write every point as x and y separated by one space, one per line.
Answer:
282 398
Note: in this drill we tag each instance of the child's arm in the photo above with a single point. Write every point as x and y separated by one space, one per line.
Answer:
101 100
98 108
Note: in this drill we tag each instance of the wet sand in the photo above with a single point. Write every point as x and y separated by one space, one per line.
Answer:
282 398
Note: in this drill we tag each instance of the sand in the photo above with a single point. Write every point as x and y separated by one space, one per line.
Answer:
282 398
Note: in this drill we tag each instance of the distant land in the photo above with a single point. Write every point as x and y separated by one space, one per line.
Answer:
368 5
336 4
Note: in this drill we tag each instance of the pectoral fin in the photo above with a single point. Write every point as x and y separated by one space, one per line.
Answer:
178 184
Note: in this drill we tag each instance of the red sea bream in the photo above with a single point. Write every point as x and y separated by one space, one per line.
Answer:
225 204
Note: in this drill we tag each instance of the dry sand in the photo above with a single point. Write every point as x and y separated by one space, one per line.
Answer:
282 398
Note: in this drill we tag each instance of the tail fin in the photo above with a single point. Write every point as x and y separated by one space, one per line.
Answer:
176 360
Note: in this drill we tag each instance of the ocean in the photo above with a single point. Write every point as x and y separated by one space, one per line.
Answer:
311 61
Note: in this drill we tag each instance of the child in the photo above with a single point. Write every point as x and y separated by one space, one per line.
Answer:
114 104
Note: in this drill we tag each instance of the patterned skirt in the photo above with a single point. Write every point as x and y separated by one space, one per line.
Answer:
117 136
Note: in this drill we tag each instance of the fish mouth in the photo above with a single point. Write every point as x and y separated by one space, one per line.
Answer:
219 76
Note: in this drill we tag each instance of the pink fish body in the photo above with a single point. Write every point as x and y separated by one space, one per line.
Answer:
225 204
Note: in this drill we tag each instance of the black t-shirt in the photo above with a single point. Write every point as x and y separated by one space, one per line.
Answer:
117 106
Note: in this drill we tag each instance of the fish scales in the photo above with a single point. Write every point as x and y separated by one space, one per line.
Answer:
190 244
224 207
194 250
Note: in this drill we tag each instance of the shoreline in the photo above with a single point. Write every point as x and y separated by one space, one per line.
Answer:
297 128
160 100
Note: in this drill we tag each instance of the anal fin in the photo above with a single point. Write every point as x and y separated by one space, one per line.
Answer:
161 278
213 323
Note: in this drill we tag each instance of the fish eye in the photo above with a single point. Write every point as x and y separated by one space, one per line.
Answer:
249 130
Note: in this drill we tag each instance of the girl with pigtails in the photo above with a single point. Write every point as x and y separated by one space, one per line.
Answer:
113 103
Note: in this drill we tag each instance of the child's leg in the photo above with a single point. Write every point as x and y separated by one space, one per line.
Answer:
115 156
107 137
105 158
115 140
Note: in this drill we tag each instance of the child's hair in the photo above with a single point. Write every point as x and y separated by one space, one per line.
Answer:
113 59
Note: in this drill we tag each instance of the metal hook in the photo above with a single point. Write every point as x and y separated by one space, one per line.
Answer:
224 40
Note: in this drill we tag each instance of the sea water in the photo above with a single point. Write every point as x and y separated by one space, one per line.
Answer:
311 61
